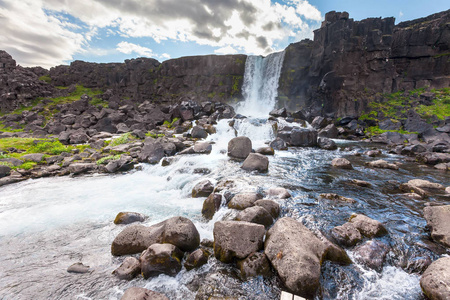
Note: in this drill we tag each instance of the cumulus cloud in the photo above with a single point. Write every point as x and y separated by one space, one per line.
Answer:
245 26
129 48
226 50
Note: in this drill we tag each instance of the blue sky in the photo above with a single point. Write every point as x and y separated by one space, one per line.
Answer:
53 32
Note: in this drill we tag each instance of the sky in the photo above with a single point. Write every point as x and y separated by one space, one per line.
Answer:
52 32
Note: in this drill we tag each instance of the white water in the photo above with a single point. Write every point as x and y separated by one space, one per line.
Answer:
260 87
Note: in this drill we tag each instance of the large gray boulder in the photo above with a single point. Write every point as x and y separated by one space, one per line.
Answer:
372 254
438 220
237 239
382 164
198 132
211 205
4 171
256 214
254 265
196 259
256 162
239 147
330 131
161 259
296 254
342 163
271 206
303 137
178 231
152 152
243 200
34 157
435 281
130 268
202 189
346 234
367 226
137 293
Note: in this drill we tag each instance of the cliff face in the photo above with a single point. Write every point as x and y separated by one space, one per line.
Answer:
351 63
199 78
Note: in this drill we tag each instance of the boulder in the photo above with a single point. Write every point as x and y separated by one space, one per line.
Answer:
4 171
372 254
346 235
152 152
367 226
202 189
336 197
435 281
427 185
129 217
319 122
78 138
130 268
79 168
330 131
265 151
198 133
326 143
137 293
161 259
271 206
256 162
34 157
237 239
278 144
178 231
243 200
342 163
281 112
196 259
303 137
438 221
296 254
360 183
255 214
78 268
123 164
373 153
254 265
382 164
211 205
202 148
278 192
239 147
13 161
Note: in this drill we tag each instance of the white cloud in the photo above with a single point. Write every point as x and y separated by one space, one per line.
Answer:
164 56
129 48
226 50
400 14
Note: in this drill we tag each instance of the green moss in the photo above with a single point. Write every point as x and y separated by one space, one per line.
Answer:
123 139
49 147
9 129
27 165
5 163
375 130
442 55
98 101
154 135
170 124
105 160
235 87
211 95
239 61
45 78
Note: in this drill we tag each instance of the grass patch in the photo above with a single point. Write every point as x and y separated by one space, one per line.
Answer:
375 130
154 135
49 147
123 139
5 163
27 165
170 124
105 160
45 78
9 129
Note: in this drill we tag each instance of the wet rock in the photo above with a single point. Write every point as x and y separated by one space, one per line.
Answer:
413 196
130 268
256 162
341 163
296 254
336 197
330 131
202 189
421 187
265 151
435 280
367 226
372 253
239 147
79 168
211 205
178 231
34 157
346 235
382 164
223 284
254 265
129 217
207 243
152 152
326 143
243 200
271 206
4 171
361 183
123 164
202 148
78 138
161 259
137 293
237 239
278 192
256 214
278 144
198 133
78 268
438 221
335 253
196 259
319 122
303 137
443 166
281 112
13 161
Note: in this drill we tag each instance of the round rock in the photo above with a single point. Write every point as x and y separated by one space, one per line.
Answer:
137 293
129 217
161 259
256 214
130 268
256 162
342 163
435 281
239 147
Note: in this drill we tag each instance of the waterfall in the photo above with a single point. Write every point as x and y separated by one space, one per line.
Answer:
260 87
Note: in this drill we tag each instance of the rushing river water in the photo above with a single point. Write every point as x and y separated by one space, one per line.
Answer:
50 223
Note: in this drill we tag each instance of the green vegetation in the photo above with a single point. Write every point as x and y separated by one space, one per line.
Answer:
375 130
48 147
154 135
26 165
211 95
105 160
235 87
5 163
170 124
45 78
239 61
123 139
9 129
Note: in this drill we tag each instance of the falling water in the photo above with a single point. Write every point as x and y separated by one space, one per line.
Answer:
260 87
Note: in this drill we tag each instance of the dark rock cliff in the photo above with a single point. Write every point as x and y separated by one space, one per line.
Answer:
351 63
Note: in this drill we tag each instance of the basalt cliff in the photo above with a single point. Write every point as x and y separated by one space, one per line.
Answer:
347 65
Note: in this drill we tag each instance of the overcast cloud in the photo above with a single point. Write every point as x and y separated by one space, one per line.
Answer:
50 32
